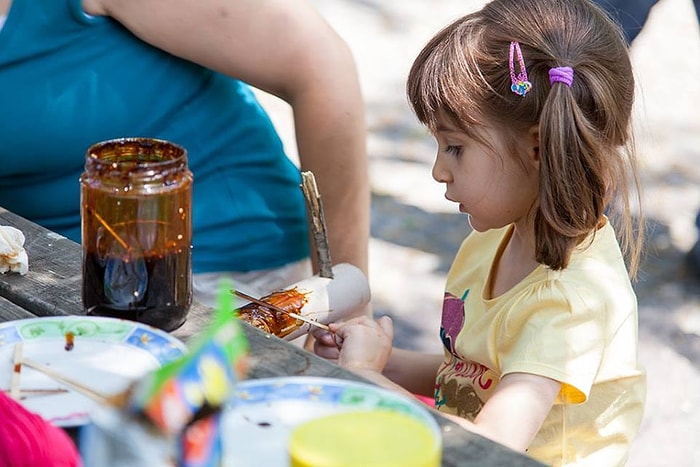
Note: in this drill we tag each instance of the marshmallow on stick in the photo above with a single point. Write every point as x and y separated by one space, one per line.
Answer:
317 298
329 296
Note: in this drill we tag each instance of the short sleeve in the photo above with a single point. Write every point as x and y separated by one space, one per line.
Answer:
557 330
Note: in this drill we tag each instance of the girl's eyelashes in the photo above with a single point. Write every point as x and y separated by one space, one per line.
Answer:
454 150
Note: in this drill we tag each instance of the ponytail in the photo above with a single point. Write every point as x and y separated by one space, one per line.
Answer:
572 179
585 152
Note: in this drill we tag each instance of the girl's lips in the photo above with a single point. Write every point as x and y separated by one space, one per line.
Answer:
462 208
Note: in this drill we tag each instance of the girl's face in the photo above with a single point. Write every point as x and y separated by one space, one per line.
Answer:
492 187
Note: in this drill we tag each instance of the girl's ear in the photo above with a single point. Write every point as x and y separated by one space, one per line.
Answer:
532 140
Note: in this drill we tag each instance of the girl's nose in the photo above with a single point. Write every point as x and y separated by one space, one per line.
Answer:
440 173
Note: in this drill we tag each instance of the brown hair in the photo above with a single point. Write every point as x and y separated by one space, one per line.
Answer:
586 146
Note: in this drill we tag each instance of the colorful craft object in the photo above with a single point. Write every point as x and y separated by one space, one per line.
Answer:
201 444
199 383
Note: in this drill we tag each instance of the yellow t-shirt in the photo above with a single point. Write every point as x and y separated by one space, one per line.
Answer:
577 326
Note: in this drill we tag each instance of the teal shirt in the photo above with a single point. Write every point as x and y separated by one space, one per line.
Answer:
68 80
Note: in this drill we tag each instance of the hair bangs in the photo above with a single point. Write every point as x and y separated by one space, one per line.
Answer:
443 78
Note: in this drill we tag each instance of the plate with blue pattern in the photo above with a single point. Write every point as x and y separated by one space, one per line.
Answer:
103 354
262 413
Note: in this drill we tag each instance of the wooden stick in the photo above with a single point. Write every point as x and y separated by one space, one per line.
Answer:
110 230
16 368
318 224
281 310
112 400
27 393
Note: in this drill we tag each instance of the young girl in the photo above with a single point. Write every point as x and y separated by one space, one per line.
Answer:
530 103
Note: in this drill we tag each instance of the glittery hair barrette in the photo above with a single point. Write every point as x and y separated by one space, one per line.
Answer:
519 83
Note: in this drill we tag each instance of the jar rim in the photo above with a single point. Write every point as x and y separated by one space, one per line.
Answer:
136 159
112 149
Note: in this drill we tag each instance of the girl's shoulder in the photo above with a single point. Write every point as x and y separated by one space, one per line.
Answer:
596 278
600 252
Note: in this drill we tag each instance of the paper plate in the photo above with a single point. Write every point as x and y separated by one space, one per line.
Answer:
106 356
257 423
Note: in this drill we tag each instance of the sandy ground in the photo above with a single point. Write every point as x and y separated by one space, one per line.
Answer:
415 231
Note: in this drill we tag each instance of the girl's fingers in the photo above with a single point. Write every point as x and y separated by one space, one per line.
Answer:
319 334
387 325
326 338
329 351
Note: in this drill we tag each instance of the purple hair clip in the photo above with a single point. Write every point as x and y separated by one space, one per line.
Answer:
561 74
519 84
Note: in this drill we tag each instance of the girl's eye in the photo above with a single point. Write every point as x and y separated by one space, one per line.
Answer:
454 150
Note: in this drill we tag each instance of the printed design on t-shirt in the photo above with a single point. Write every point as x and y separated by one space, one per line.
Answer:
461 399
452 319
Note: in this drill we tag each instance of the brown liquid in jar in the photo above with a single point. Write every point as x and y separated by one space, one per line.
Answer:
136 232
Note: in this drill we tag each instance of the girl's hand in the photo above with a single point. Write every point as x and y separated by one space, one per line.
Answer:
365 344
325 345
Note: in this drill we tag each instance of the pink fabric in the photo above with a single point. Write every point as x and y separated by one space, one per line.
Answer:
28 440
426 400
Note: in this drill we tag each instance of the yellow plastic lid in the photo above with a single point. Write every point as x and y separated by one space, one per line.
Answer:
372 438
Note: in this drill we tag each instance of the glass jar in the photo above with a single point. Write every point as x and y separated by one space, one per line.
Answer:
136 208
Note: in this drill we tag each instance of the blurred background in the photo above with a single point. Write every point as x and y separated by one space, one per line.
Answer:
416 232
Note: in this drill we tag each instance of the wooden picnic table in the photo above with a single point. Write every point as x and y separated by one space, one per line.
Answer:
52 287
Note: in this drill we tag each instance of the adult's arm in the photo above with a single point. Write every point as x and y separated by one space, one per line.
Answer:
287 49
